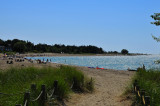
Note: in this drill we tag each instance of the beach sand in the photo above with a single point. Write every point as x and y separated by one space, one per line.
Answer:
109 85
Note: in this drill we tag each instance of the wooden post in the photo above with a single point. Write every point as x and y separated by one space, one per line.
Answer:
26 98
55 86
147 99
43 96
142 95
137 89
134 85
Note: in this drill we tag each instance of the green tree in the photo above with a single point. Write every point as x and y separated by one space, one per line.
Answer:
124 51
19 47
30 46
14 41
8 43
156 17
1 42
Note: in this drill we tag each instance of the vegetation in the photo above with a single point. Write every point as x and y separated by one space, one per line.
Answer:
124 51
149 80
22 46
156 17
18 80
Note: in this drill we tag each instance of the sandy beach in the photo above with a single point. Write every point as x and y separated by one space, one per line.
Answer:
109 84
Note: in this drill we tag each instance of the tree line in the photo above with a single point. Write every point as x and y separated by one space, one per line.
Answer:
22 46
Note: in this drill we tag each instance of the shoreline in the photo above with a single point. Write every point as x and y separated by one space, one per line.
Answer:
23 56
45 55
64 54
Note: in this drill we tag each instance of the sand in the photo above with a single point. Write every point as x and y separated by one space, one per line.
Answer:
109 85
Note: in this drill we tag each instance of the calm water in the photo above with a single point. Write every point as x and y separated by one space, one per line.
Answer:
109 62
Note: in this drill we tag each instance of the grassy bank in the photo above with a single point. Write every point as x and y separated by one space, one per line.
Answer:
16 81
149 80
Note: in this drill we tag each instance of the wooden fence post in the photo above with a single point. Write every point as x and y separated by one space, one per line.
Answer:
147 99
43 96
142 94
26 98
55 86
134 85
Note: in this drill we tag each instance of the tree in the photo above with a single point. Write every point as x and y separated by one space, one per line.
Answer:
19 47
8 43
156 17
1 42
14 41
124 51
30 46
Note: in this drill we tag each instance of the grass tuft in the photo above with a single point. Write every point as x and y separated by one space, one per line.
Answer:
149 80
17 81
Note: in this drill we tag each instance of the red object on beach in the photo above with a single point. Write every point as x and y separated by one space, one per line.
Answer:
99 68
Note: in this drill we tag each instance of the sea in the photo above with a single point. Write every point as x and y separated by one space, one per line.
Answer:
107 62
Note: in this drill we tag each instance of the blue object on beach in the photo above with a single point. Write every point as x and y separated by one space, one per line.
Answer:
90 67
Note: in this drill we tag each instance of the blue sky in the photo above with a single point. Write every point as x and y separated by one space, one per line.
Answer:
111 24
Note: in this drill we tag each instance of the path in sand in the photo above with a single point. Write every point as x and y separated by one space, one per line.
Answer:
109 86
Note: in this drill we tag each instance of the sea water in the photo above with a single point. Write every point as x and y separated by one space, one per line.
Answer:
108 62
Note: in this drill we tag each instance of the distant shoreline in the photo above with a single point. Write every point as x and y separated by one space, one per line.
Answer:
64 54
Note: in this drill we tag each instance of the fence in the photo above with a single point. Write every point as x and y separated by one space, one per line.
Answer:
41 98
140 93
43 95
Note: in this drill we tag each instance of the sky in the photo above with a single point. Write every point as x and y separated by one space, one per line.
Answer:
111 24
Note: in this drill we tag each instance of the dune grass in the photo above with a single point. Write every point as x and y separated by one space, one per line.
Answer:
17 81
149 80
